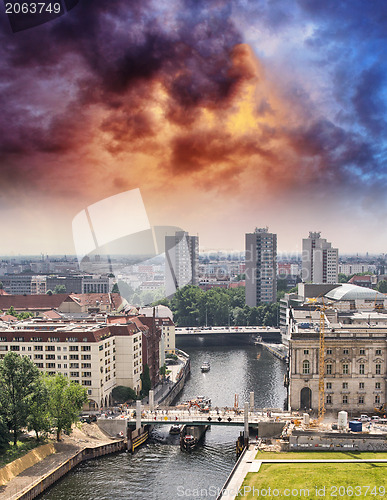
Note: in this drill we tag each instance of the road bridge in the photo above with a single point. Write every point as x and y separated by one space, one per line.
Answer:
193 416
250 330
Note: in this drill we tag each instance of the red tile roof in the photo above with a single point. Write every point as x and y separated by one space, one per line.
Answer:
41 302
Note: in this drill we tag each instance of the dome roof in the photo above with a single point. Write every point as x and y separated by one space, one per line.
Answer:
353 292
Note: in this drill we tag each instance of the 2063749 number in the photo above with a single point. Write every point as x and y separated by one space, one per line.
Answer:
32 8
357 491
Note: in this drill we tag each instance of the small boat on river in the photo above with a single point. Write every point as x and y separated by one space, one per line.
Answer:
205 366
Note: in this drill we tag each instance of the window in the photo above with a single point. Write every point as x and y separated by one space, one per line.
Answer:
38 356
15 348
74 356
73 348
378 369
377 399
329 385
329 351
50 348
86 356
305 367
306 351
362 352
361 385
378 352
345 399
85 348
345 369
50 365
345 351
361 369
74 374
38 348
86 374
74 365
86 365
361 400
86 382
377 385
329 399
329 369
345 385
50 356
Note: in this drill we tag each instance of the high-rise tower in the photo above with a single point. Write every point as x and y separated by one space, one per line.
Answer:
319 260
181 261
261 263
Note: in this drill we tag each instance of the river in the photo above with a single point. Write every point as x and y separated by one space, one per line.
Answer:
160 470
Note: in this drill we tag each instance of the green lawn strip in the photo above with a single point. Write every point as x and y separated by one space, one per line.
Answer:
302 480
318 455
14 452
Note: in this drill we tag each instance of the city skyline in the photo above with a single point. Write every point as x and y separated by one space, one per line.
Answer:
226 115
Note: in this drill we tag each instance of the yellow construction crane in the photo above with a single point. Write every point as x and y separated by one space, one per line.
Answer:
321 365
321 358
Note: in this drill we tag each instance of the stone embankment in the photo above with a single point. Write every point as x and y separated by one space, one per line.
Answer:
36 471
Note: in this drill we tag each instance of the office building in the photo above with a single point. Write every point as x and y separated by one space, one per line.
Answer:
181 261
261 261
319 260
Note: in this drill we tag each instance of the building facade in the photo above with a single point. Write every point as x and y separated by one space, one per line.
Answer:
181 261
91 354
319 260
354 322
260 267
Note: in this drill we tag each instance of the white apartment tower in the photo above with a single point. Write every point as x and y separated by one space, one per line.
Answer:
319 260
261 263
181 261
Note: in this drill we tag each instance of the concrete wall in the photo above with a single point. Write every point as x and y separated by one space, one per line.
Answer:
16 467
112 427
304 441
65 467
270 429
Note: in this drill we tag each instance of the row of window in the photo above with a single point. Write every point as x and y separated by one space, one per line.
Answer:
362 352
344 399
345 385
344 368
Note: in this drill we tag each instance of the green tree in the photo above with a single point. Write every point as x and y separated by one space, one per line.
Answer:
271 316
60 289
146 381
123 394
18 376
115 288
49 292
282 285
66 400
382 286
343 278
4 433
38 419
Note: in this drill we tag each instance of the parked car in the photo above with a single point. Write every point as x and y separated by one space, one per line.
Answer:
364 418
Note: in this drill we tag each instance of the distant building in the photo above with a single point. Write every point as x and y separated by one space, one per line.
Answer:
181 261
319 260
261 263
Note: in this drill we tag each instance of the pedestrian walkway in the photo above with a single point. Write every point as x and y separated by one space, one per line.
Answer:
13 489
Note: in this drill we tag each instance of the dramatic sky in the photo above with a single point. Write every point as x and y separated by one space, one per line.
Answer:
226 115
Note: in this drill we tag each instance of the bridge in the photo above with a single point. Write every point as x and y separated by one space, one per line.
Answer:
221 416
211 330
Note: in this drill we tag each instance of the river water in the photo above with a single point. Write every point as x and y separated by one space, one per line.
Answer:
160 470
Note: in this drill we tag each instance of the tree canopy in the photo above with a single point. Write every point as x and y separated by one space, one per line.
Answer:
192 306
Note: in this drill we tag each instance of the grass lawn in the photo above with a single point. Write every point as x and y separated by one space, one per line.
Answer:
317 455
14 452
296 481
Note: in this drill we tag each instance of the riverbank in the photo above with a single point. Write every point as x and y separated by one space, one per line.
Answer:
84 443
